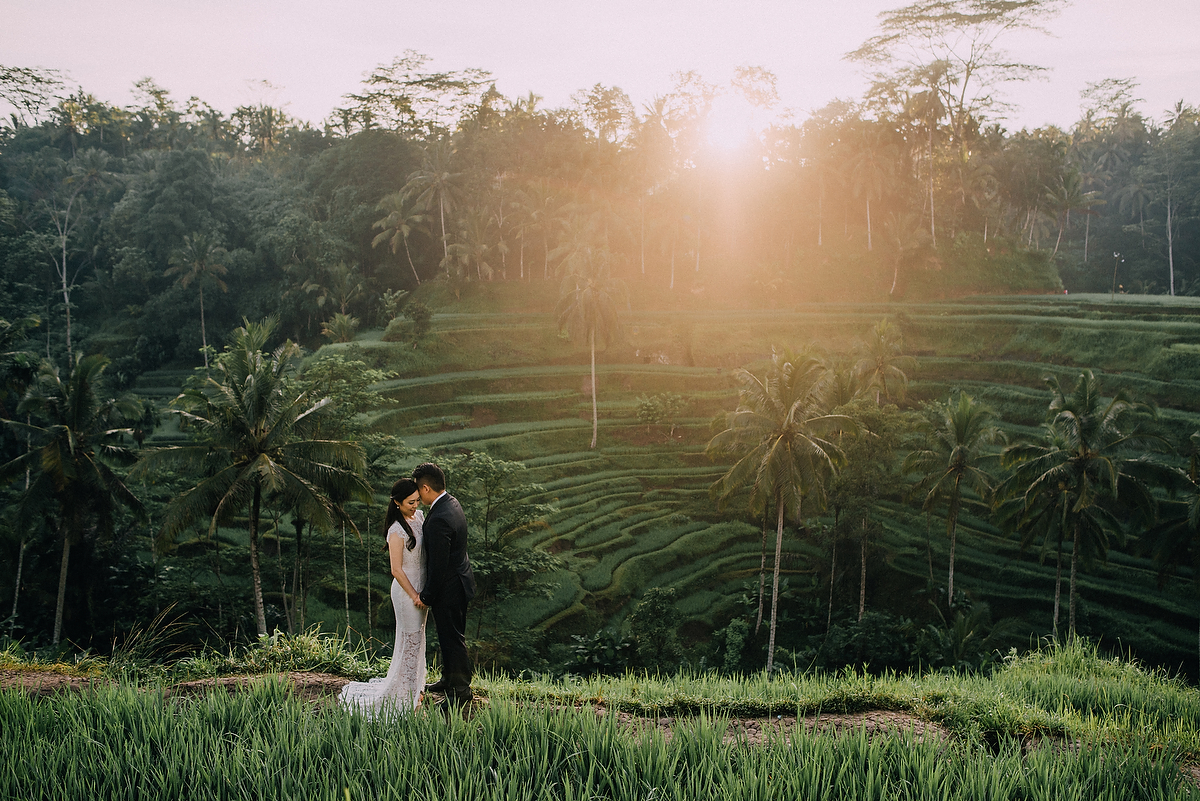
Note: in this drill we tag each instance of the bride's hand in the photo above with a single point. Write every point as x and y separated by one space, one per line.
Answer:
417 602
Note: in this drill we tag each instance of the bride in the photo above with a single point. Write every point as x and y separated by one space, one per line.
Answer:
405 678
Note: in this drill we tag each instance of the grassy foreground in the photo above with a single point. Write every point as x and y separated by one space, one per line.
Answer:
1103 728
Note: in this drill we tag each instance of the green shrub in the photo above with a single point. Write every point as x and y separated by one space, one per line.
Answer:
397 330
340 328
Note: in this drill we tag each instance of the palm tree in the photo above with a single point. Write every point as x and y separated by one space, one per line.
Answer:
435 184
77 439
198 261
257 436
906 236
587 309
18 369
66 210
925 109
884 360
1044 518
956 436
1134 198
474 243
343 285
870 172
402 221
1065 196
779 435
540 207
1088 462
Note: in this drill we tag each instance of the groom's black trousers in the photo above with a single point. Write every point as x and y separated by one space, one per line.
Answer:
450 618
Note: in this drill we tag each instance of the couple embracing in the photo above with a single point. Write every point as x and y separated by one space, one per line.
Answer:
431 575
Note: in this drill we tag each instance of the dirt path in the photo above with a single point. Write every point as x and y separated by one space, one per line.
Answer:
321 688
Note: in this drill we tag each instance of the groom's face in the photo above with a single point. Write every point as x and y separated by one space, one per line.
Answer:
427 494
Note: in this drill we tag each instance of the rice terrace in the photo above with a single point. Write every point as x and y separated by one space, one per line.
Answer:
701 439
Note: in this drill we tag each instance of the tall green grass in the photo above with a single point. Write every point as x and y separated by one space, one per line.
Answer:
119 743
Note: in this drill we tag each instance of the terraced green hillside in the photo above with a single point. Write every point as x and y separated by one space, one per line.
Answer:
635 513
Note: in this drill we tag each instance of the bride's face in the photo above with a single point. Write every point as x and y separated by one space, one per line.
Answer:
408 506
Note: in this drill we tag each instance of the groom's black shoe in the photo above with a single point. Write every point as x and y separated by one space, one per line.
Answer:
438 686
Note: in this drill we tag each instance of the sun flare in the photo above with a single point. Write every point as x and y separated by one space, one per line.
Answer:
731 123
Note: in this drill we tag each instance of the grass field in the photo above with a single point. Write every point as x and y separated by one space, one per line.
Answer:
1056 723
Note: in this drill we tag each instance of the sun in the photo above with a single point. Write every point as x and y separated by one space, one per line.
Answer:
731 123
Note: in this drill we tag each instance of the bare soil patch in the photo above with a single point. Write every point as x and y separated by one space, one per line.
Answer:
42 683
755 731
320 688
308 685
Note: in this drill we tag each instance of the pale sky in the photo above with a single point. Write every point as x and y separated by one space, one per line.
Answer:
316 52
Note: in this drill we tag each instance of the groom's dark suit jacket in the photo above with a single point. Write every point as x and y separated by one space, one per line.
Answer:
446 563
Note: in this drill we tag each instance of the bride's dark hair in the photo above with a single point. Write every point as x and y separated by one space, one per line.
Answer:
400 490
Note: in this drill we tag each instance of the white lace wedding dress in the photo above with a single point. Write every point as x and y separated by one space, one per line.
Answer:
401 688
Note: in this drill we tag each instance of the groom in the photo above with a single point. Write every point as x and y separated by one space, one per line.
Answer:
449 582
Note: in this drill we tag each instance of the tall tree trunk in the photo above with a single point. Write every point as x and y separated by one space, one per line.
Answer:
66 293
952 533
445 242
220 583
12 619
1072 597
672 286
1057 587
775 582
832 576
288 611
868 223
932 227
762 573
411 266
642 234
1170 252
297 583
595 414
260 617
862 574
345 579
62 588
370 620
1087 230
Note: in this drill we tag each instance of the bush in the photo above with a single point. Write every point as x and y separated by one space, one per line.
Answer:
421 316
652 624
414 325
340 328
397 330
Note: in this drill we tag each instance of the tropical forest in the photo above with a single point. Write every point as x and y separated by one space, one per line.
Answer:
885 418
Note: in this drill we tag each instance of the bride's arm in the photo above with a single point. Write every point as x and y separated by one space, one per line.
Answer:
396 557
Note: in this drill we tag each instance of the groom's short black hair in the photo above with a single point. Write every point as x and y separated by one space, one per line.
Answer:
430 475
